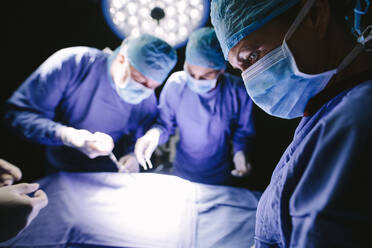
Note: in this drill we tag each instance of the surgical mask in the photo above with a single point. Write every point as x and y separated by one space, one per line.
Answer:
129 90
133 92
276 84
200 86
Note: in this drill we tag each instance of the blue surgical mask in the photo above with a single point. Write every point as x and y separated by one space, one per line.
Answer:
200 86
131 92
276 84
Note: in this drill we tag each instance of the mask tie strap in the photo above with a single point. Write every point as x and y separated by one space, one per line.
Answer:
362 40
300 17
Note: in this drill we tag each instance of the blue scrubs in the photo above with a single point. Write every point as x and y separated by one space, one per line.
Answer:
73 88
320 192
210 125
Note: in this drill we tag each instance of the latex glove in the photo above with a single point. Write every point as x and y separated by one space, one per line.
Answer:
146 145
91 144
242 167
129 163
17 209
9 173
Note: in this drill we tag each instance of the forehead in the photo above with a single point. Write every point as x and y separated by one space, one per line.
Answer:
136 74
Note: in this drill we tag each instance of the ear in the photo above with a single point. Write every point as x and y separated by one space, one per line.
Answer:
318 18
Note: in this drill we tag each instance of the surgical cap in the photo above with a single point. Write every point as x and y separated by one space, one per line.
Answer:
204 50
235 19
151 56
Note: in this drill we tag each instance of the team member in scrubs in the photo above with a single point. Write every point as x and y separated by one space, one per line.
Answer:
300 59
82 102
212 112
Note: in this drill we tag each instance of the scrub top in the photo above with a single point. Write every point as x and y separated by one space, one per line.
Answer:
320 192
211 127
73 88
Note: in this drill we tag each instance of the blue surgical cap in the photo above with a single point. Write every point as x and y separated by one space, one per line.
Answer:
151 56
235 19
204 50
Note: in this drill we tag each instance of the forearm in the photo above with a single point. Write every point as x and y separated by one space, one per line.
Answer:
33 127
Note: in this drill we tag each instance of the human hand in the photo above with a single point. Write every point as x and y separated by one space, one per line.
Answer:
145 146
242 167
9 173
130 163
91 144
17 209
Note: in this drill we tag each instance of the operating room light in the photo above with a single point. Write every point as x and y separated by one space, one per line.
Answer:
170 20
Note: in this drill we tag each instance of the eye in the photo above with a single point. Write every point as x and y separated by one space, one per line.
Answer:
253 57
247 58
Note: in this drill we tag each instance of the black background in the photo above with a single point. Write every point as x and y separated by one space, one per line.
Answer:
33 30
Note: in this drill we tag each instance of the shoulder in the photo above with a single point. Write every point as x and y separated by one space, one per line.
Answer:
175 83
235 85
177 78
236 80
353 110
76 55
233 82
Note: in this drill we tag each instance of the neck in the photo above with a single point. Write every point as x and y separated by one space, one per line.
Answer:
361 63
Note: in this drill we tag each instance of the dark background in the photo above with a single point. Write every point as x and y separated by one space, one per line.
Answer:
33 30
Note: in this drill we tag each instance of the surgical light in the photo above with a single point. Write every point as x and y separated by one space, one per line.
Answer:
170 20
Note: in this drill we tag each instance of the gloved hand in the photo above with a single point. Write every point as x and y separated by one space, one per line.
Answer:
129 163
146 145
17 209
92 145
8 173
242 167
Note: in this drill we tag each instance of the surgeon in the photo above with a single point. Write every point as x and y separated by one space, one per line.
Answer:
82 102
212 113
300 59
17 206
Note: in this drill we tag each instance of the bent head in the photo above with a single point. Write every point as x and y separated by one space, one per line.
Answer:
121 70
204 60
288 50
141 65
262 28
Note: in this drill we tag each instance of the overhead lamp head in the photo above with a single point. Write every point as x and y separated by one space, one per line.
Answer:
169 20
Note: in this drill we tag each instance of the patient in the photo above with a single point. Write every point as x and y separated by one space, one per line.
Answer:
17 208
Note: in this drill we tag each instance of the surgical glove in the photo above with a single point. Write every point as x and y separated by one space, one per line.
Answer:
17 209
242 167
8 173
130 163
146 145
92 145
